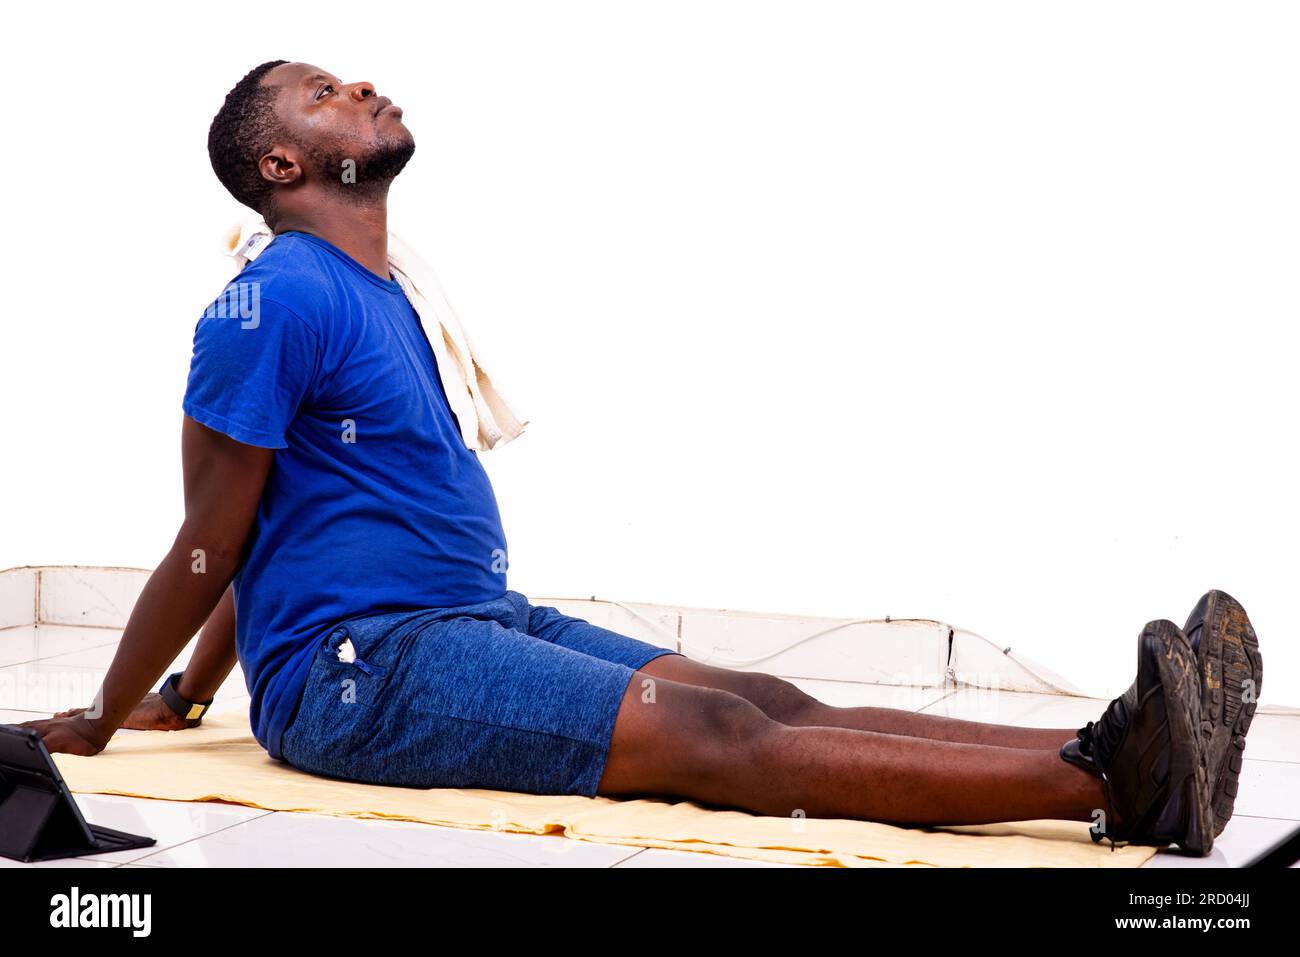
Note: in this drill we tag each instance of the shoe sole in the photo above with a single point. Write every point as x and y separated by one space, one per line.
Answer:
1180 679
1229 662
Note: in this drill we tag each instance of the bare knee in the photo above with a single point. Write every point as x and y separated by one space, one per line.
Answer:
780 700
775 697
735 722
680 739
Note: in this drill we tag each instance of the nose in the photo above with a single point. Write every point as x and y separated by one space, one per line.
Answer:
362 91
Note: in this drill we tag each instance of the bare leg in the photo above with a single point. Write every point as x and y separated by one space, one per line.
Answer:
703 744
784 702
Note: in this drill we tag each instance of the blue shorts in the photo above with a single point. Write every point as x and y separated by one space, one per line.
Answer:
503 695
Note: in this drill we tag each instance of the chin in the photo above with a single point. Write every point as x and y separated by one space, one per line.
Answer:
389 156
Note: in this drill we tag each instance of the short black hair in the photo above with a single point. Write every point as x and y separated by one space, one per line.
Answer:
240 135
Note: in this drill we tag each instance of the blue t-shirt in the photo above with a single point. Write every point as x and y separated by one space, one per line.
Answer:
373 503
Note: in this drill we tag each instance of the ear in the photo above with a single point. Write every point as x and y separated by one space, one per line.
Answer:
280 167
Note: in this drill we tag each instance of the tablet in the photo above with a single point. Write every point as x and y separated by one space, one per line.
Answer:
39 819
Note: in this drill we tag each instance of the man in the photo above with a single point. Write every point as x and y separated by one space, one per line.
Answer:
327 477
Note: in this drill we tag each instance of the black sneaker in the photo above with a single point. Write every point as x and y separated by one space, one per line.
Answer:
1232 671
1147 750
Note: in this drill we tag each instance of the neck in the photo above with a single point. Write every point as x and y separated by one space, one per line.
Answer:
359 229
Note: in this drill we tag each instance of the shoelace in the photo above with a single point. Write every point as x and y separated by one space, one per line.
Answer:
1105 732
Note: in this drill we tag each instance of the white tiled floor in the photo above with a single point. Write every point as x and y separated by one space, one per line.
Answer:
47 669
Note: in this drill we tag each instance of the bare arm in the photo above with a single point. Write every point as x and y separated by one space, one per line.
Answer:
214 656
223 485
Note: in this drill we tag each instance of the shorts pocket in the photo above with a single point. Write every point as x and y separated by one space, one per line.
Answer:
345 689
340 647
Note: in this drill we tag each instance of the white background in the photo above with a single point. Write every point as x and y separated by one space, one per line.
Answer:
983 312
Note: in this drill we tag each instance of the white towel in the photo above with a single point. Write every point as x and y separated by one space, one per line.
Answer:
485 418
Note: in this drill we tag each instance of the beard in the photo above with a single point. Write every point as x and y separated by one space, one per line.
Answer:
364 174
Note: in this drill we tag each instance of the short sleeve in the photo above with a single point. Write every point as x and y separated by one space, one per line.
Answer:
253 364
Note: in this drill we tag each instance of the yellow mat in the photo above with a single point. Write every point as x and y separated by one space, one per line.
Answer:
221 761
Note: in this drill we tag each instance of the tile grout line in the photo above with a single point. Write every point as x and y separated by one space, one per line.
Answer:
190 840
936 701
50 658
639 851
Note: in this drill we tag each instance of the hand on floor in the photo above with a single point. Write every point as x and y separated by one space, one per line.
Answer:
67 735
151 714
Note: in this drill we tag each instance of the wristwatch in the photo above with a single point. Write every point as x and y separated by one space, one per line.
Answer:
189 710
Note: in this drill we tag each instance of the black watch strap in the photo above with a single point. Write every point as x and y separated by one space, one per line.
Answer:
189 710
